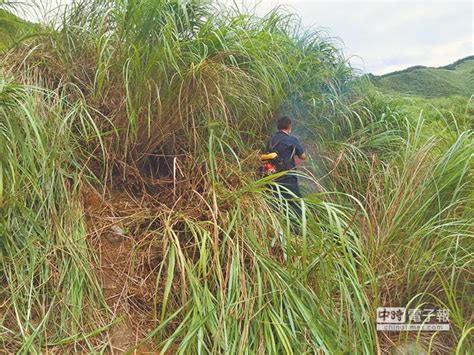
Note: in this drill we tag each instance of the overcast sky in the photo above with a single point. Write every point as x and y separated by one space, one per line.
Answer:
391 35
381 36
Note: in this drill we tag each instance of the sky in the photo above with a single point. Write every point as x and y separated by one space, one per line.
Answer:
381 36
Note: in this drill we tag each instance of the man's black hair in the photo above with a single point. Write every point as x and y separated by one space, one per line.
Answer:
284 122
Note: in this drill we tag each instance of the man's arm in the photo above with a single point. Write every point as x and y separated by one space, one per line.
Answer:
299 150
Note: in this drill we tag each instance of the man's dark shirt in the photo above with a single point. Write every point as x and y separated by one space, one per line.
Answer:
287 146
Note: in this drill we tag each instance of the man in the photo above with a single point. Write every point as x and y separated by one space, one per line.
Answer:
287 147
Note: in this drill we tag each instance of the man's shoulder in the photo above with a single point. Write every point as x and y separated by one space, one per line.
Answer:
294 139
285 138
278 137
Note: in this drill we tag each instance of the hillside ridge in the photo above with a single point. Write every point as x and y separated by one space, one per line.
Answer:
450 66
452 79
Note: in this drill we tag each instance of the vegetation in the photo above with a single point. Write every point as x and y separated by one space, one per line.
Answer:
132 218
453 79
12 28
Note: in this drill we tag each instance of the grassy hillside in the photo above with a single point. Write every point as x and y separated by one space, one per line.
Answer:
12 28
132 216
453 79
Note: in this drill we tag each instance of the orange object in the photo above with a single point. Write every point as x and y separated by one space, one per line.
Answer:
269 168
268 156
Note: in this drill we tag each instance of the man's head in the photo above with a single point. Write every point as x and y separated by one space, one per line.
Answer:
284 124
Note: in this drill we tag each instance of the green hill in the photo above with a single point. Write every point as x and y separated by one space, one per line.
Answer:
453 79
12 28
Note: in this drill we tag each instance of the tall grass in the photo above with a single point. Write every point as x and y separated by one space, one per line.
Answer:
132 218
46 265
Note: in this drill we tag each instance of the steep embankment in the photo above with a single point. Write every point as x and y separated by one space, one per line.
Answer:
453 79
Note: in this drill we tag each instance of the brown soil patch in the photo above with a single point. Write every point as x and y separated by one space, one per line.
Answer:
127 265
